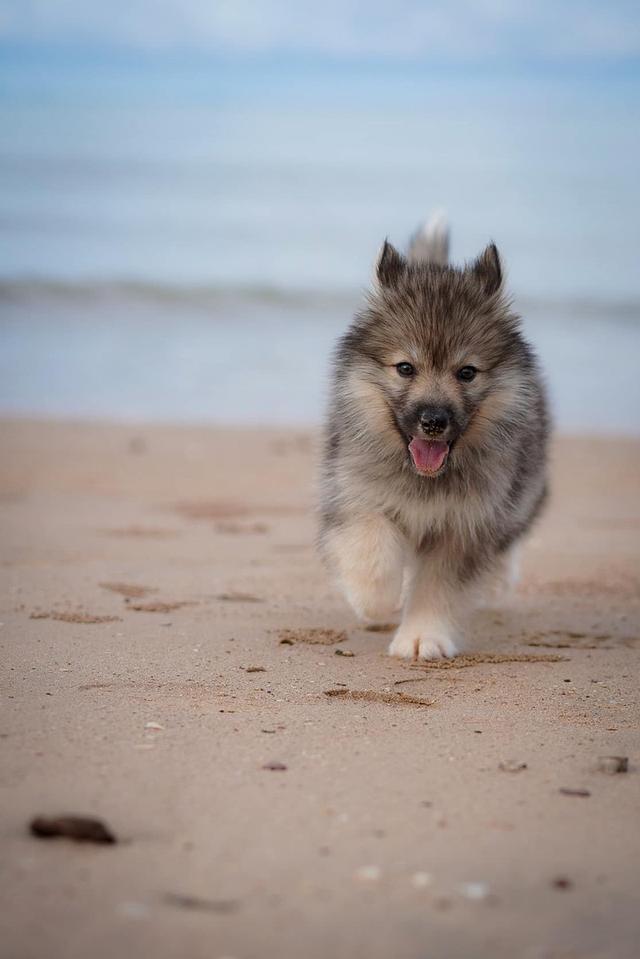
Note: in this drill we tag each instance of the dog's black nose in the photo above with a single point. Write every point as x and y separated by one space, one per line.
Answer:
434 420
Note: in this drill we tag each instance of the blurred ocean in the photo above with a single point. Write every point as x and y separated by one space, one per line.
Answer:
186 243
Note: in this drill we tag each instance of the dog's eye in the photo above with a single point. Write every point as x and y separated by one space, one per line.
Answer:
467 373
405 369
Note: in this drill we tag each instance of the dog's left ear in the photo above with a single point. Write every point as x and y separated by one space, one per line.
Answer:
389 265
488 270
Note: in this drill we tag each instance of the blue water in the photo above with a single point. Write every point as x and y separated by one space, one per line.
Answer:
187 243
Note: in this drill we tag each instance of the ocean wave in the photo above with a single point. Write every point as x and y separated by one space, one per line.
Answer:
209 296
169 294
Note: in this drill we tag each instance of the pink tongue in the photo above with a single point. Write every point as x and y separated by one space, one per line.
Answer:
428 455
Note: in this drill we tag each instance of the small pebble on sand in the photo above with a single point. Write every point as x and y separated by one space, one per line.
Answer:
613 764
132 910
512 766
561 882
420 880
476 891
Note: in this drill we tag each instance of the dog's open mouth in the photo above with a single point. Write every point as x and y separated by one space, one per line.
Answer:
429 456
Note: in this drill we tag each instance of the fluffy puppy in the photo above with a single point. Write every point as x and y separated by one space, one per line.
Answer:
435 454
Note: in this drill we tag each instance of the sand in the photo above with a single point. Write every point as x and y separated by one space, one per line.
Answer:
148 575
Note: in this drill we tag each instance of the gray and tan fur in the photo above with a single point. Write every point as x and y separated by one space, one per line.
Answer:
403 529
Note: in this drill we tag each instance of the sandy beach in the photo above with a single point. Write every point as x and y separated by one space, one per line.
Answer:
176 662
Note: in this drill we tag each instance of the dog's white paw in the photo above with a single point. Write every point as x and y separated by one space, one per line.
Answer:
428 642
438 645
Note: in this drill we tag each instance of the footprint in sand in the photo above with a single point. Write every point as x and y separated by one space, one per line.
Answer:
231 528
229 511
128 590
373 696
477 659
157 606
238 597
312 635
74 617
141 532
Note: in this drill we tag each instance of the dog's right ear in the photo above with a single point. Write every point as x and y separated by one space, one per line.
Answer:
389 266
487 269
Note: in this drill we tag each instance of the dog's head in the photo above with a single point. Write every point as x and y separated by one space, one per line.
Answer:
436 362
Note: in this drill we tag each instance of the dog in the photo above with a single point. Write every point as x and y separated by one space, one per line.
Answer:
435 450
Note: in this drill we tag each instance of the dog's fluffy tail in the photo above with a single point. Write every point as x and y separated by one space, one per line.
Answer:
430 243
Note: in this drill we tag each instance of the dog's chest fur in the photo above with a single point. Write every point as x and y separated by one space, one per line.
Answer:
441 518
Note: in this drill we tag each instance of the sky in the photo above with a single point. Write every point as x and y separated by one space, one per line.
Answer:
441 31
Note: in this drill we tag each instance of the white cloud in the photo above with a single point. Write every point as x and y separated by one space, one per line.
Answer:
458 30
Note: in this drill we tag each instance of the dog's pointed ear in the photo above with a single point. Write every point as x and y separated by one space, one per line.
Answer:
487 269
389 265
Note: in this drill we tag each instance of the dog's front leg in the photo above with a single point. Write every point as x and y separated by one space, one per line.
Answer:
435 604
368 554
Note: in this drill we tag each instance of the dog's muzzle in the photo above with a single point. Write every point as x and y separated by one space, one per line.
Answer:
434 420
434 432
